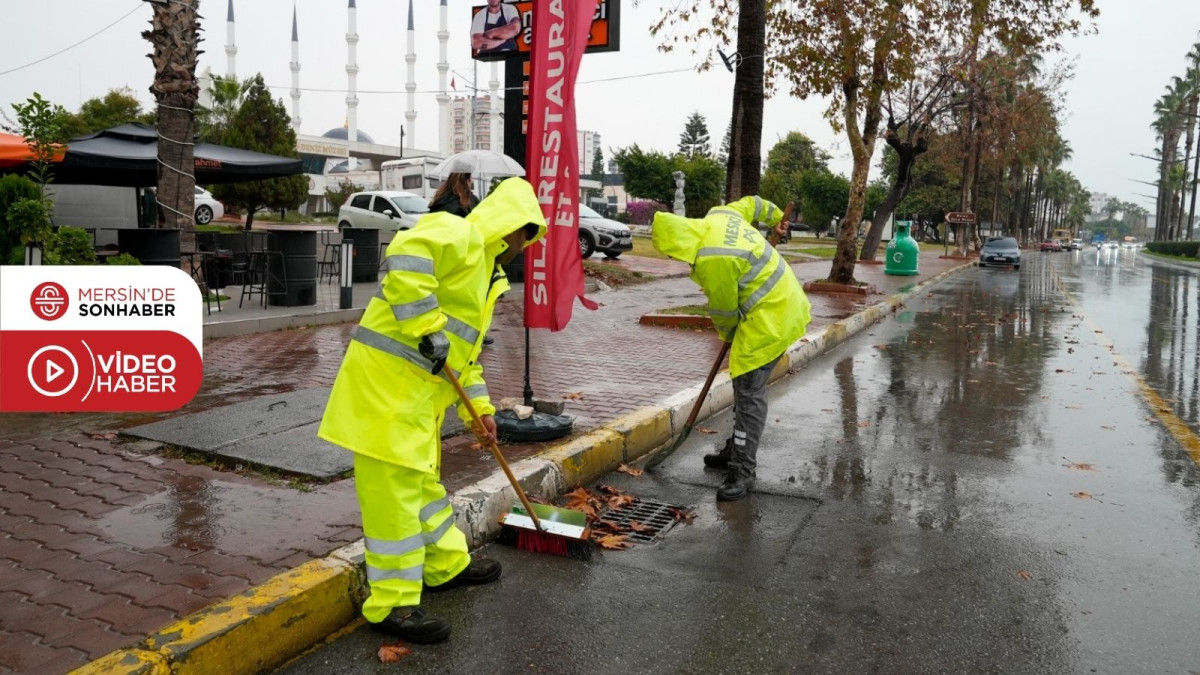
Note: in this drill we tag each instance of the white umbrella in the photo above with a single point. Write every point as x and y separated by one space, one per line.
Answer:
479 163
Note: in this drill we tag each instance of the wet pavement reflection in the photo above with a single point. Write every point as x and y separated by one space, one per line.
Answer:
973 485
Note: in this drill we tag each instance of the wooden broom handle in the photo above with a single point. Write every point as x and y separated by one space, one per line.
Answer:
462 394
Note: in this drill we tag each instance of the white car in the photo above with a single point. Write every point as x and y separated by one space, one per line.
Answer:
208 209
383 210
597 233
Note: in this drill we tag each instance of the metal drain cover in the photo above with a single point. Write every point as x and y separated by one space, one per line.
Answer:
655 515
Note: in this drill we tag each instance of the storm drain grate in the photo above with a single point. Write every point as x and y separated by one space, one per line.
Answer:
654 517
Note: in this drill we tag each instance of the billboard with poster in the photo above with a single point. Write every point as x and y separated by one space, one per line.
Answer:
500 29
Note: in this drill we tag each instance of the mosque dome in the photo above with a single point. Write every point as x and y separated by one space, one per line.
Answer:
342 133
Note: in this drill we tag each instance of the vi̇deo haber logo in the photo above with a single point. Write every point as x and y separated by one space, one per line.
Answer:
95 339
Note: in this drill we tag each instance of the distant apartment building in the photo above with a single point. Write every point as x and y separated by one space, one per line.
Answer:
460 135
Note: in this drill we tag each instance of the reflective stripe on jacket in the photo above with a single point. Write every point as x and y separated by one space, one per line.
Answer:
759 212
754 298
441 275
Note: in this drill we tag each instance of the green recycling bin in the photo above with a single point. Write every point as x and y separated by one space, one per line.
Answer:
903 253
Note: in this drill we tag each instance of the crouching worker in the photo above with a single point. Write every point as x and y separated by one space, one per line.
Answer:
387 404
755 302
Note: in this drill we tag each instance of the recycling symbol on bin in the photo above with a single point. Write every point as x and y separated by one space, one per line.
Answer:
898 257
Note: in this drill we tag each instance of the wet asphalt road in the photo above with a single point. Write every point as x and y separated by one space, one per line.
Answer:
915 512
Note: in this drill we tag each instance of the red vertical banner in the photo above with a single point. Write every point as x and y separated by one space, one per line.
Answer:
553 268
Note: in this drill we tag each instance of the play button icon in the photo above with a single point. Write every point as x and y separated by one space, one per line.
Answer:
57 368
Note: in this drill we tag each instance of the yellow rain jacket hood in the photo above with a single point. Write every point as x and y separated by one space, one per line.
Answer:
761 213
754 298
441 276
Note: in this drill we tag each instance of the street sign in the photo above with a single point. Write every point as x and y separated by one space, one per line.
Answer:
960 217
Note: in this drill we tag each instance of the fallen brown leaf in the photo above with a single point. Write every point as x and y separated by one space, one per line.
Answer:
1081 495
990 363
393 653
619 501
638 527
629 470
612 542
610 490
706 430
605 525
108 436
574 397
1024 575
685 515
1081 466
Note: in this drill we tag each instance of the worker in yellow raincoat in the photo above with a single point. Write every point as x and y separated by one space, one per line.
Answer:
755 302
433 308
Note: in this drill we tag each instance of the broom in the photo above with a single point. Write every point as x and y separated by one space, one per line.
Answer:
535 527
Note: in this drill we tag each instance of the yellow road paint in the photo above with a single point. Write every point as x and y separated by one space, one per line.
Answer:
1174 425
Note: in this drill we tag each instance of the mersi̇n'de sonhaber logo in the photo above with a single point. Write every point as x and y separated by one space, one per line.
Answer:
99 340
49 301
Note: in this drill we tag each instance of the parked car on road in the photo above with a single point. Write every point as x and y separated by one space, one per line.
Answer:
383 210
1000 251
1050 245
597 233
208 208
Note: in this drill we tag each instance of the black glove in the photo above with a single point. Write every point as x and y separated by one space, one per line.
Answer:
436 348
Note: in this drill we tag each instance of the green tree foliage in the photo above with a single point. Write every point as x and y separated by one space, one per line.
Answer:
705 184
649 175
340 192
787 163
13 189
694 141
226 95
823 197
262 124
723 152
117 107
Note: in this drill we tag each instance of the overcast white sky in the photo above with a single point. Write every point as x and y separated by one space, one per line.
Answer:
1121 72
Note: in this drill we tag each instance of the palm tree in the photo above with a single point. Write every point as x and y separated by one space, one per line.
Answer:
227 94
174 33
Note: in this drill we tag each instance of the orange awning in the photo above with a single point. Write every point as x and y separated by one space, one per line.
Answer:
14 151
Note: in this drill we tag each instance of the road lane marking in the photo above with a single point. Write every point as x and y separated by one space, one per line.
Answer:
1174 425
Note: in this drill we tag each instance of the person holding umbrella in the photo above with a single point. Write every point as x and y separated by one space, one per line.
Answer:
454 196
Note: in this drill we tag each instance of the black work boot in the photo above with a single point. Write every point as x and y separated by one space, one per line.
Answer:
737 486
480 571
411 624
720 459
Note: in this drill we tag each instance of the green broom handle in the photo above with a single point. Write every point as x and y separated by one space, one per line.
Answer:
462 394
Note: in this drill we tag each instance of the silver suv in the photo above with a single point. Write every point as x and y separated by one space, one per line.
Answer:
383 210
597 233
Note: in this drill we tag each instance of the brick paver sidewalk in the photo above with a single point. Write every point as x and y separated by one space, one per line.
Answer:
100 545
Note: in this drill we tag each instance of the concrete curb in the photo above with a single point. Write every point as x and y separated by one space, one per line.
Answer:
271 623
268 324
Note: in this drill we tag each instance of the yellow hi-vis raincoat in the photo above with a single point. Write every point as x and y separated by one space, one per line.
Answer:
387 407
754 298
759 212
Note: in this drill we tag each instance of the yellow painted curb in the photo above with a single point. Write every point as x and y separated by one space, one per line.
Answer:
127 661
253 631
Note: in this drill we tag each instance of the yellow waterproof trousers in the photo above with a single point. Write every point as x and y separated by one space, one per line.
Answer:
410 535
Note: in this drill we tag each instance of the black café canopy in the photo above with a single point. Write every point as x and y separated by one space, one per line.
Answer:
127 156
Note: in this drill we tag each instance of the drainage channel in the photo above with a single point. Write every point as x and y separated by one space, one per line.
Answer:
655 519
